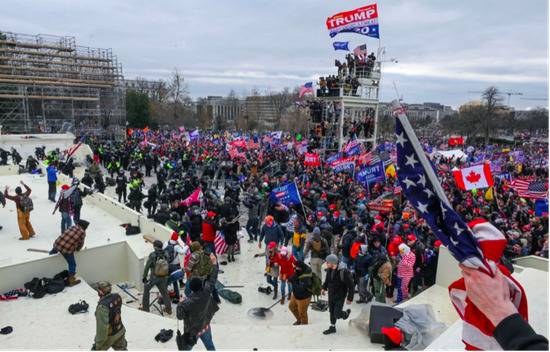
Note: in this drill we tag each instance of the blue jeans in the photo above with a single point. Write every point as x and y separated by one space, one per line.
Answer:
283 287
206 339
271 280
69 257
66 221
174 278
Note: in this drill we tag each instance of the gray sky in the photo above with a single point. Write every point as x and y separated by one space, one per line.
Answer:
444 48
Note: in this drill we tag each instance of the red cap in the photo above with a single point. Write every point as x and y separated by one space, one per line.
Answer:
65 187
332 206
397 240
272 245
324 196
378 217
437 243
405 226
337 213
394 334
319 214
411 238
174 236
211 214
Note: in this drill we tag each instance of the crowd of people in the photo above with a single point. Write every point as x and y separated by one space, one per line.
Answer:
337 239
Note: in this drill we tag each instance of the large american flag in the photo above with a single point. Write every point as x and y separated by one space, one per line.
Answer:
478 245
530 188
219 243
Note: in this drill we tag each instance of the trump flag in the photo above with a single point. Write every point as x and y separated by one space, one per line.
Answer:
363 20
286 194
312 159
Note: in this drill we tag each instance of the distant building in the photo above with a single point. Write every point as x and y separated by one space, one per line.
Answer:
420 111
262 109
222 111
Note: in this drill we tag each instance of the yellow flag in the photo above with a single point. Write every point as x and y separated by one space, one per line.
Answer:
489 194
390 171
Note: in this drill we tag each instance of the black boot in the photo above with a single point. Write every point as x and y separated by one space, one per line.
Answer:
275 292
345 314
330 330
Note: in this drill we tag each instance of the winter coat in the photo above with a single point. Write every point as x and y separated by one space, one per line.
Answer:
199 308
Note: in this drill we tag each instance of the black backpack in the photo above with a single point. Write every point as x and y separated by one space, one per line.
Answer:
26 204
170 253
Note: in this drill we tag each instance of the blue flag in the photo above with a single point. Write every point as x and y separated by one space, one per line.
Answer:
333 158
370 174
341 46
286 194
541 207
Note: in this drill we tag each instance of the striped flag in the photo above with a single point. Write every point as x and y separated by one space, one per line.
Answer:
219 243
477 244
530 188
361 52
305 89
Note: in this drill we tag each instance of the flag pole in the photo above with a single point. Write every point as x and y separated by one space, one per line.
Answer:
430 174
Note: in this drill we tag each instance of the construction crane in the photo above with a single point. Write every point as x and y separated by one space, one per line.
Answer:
543 99
509 94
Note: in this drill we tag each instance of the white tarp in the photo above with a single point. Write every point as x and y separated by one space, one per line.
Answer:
455 154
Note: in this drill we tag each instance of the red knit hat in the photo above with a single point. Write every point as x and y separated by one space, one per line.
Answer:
394 334
174 236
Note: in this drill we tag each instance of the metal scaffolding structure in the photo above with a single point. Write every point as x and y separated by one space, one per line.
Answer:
337 108
49 84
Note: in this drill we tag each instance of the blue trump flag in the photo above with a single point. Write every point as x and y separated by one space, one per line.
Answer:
370 174
286 194
341 46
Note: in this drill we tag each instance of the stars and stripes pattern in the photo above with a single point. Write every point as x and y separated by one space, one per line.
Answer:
446 224
219 243
530 188
478 245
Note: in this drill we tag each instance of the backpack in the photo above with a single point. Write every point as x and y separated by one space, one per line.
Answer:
377 263
204 266
26 204
170 252
316 283
161 267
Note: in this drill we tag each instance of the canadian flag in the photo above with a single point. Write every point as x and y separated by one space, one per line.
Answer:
477 176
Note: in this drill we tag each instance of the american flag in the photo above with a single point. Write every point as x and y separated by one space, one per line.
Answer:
368 158
530 188
219 243
477 245
361 52
306 88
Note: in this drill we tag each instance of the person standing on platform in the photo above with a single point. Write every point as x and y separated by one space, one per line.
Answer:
70 241
52 181
24 207
110 333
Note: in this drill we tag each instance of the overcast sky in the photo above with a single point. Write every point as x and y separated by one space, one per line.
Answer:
444 48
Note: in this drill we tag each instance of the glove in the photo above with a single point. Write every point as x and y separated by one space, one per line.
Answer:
144 280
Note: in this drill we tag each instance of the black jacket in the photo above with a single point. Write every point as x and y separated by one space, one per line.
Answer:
301 281
199 308
339 284
514 333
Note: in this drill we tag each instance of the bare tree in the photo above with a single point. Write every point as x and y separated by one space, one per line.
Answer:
295 119
282 101
492 99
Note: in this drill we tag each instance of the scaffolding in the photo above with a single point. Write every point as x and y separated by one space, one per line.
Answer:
340 106
49 84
